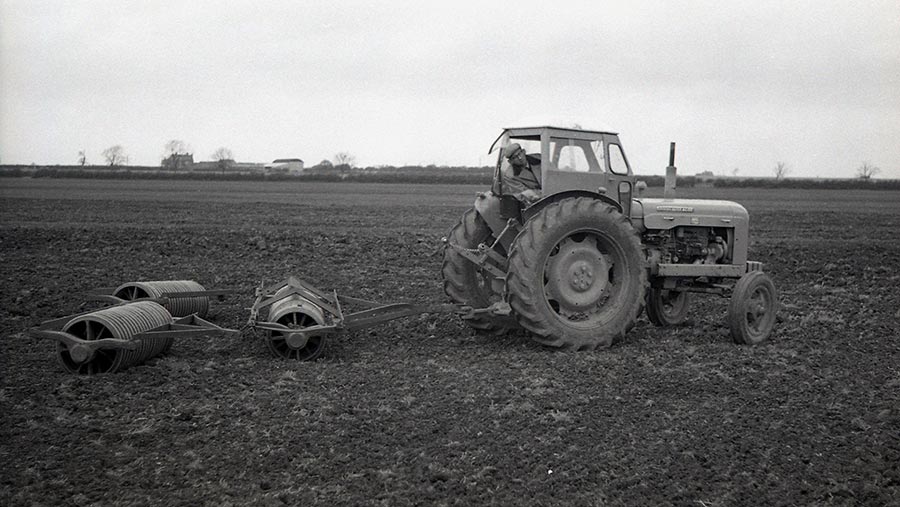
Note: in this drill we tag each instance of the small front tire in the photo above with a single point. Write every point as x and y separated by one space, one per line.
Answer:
667 307
754 303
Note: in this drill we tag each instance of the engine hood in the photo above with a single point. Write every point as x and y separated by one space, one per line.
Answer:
654 213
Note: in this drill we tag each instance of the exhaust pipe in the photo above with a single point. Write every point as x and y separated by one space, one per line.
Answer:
669 190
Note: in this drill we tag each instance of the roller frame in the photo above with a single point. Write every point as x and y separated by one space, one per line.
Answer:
84 350
339 322
105 295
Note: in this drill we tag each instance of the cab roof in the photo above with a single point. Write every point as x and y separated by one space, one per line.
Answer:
576 128
575 131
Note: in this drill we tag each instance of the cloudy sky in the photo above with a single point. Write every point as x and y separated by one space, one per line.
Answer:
739 85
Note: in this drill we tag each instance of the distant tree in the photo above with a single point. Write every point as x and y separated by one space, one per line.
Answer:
115 155
222 154
734 172
176 147
781 170
345 159
223 157
82 158
324 165
867 171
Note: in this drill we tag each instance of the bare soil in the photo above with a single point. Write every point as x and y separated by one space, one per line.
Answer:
422 411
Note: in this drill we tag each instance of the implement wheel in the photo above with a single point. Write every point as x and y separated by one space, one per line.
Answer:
119 322
751 314
667 307
296 312
282 344
464 282
577 275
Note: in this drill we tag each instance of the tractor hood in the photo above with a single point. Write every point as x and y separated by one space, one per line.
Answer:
668 213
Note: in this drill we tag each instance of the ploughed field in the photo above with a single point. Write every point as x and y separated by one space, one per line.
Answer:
422 410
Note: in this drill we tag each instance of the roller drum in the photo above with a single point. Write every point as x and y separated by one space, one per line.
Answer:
119 322
295 312
178 307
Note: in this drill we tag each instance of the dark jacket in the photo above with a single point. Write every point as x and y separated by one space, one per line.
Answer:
529 178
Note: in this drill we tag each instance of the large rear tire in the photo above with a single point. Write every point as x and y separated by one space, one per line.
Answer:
577 275
464 282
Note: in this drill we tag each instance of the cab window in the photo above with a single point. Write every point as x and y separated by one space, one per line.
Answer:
573 155
617 162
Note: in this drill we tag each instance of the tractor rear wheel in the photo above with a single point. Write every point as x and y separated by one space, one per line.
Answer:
464 281
667 307
754 303
577 275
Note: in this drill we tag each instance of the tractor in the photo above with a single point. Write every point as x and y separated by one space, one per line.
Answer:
577 267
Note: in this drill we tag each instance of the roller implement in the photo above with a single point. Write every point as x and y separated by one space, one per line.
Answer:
120 336
297 318
180 297
144 319
141 322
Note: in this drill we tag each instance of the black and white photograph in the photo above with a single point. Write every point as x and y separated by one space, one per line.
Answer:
282 253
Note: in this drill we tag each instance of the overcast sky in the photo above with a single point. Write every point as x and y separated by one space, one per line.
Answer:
738 85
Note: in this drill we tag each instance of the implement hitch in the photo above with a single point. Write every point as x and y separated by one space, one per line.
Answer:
299 317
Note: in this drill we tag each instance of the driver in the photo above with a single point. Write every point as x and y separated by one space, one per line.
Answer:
523 176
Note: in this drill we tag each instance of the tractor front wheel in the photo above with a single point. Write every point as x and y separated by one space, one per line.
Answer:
667 307
751 313
577 275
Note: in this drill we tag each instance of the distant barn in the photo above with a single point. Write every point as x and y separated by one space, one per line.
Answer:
178 161
288 165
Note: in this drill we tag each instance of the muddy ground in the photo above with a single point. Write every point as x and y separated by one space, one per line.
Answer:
423 411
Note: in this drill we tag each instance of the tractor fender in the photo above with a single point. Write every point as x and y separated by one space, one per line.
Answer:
488 207
550 199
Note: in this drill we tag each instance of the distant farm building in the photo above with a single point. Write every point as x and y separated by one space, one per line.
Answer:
705 179
178 161
285 165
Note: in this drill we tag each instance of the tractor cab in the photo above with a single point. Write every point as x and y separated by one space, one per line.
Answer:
571 160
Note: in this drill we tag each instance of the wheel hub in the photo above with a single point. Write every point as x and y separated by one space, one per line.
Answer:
80 354
756 310
577 276
296 340
582 276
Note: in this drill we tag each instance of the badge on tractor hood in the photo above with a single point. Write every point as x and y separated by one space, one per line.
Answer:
676 209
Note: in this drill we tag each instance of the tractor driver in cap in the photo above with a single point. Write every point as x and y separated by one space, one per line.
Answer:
523 177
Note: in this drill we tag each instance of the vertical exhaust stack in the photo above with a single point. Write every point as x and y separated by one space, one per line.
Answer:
669 190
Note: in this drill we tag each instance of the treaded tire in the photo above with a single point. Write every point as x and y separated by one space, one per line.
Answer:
464 283
577 275
667 307
753 308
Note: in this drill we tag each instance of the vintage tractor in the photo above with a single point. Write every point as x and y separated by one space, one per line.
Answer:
578 266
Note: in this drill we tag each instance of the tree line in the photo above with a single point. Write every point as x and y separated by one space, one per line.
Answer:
115 156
